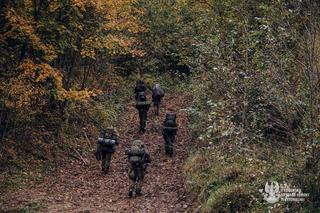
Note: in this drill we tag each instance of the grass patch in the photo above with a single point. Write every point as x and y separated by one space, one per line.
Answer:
227 179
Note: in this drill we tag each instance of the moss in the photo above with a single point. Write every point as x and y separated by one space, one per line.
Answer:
222 175
228 198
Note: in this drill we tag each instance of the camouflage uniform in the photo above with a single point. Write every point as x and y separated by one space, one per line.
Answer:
169 132
104 151
140 87
157 95
142 106
138 158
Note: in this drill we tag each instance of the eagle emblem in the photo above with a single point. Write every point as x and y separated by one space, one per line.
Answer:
272 192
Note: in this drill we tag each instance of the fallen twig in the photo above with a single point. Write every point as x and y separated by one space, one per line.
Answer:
81 158
87 139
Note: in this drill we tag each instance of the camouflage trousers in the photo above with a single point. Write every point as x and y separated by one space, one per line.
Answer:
168 143
136 175
143 120
105 161
135 187
156 105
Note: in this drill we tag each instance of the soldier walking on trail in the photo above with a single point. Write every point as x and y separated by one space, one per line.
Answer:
157 95
169 132
140 87
142 106
106 145
138 159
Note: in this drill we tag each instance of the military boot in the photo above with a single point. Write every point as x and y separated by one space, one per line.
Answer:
139 187
103 165
131 189
130 193
142 130
169 151
138 193
106 170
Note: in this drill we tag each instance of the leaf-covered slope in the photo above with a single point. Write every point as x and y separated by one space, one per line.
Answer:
80 186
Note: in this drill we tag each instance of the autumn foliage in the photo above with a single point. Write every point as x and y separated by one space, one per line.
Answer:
50 47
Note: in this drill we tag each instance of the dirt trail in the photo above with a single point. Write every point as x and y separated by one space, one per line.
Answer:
82 188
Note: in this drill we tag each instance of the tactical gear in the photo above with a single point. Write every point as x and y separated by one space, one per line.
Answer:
106 142
135 159
105 147
157 91
136 150
169 131
138 159
142 100
142 106
137 143
131 174
171 116
170 125
142 97
140 87
136 153
157 95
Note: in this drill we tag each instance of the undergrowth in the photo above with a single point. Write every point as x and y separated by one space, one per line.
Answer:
44 150
230 164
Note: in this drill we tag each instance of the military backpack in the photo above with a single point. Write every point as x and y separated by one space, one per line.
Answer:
170 124
107 143
136 155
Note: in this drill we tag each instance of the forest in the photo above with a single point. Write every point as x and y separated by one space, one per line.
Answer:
242 76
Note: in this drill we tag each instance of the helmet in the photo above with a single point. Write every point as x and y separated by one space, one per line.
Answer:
140 82
109 132
138 143
171 116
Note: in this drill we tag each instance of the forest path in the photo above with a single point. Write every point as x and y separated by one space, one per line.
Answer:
81 187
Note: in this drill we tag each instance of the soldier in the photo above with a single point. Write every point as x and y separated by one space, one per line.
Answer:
142 106
140 87
107 142
169 132
157 95
138 159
